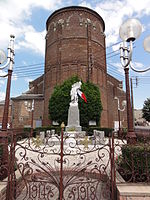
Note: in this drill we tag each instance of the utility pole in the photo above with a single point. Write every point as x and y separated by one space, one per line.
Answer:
137 81
4 132
132 101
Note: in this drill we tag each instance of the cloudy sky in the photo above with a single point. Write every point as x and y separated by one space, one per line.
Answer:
26 19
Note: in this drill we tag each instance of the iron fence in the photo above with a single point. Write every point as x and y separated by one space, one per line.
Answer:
67 167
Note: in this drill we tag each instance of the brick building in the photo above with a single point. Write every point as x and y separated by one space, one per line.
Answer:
115 89
75 45
2 103
21 110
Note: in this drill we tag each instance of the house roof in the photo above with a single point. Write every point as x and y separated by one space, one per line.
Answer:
25 96
3 102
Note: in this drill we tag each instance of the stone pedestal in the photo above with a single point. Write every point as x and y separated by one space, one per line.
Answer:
73 118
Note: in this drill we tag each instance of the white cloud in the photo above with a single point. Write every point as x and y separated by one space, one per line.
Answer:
85 4
14 76
116 47
120 69
3 74
28 80
138 65
115 12
30 41
2 83
14 18
2 96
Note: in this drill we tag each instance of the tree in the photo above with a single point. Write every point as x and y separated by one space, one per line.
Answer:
93 108
60 99
146 110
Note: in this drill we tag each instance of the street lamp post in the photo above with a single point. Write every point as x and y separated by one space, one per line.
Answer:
120 110
10 62
129 31
30 108
4 133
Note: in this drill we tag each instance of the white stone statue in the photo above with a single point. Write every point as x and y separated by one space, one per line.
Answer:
74 92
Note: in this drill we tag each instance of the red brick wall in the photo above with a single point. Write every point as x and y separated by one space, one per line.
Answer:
114 89
9 114
21 117
36 86
75 45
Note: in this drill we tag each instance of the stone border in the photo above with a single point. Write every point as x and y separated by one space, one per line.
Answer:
131 191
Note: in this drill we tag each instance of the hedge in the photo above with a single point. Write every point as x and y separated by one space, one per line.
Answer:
134 163
60 100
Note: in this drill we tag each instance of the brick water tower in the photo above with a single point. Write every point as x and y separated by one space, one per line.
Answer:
75 45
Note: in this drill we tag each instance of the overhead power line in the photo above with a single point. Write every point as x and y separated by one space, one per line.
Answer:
28 71
38 69
34 72
30 65
114 44
26 76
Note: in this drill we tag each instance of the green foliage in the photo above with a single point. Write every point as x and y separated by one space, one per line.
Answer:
93 108
60 99
146 110
135 162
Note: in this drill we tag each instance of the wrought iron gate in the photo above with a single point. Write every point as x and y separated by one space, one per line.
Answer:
60 167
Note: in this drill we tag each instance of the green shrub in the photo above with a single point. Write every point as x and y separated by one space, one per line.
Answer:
21 134
27 129
143 139
134 164
124 133
60 99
